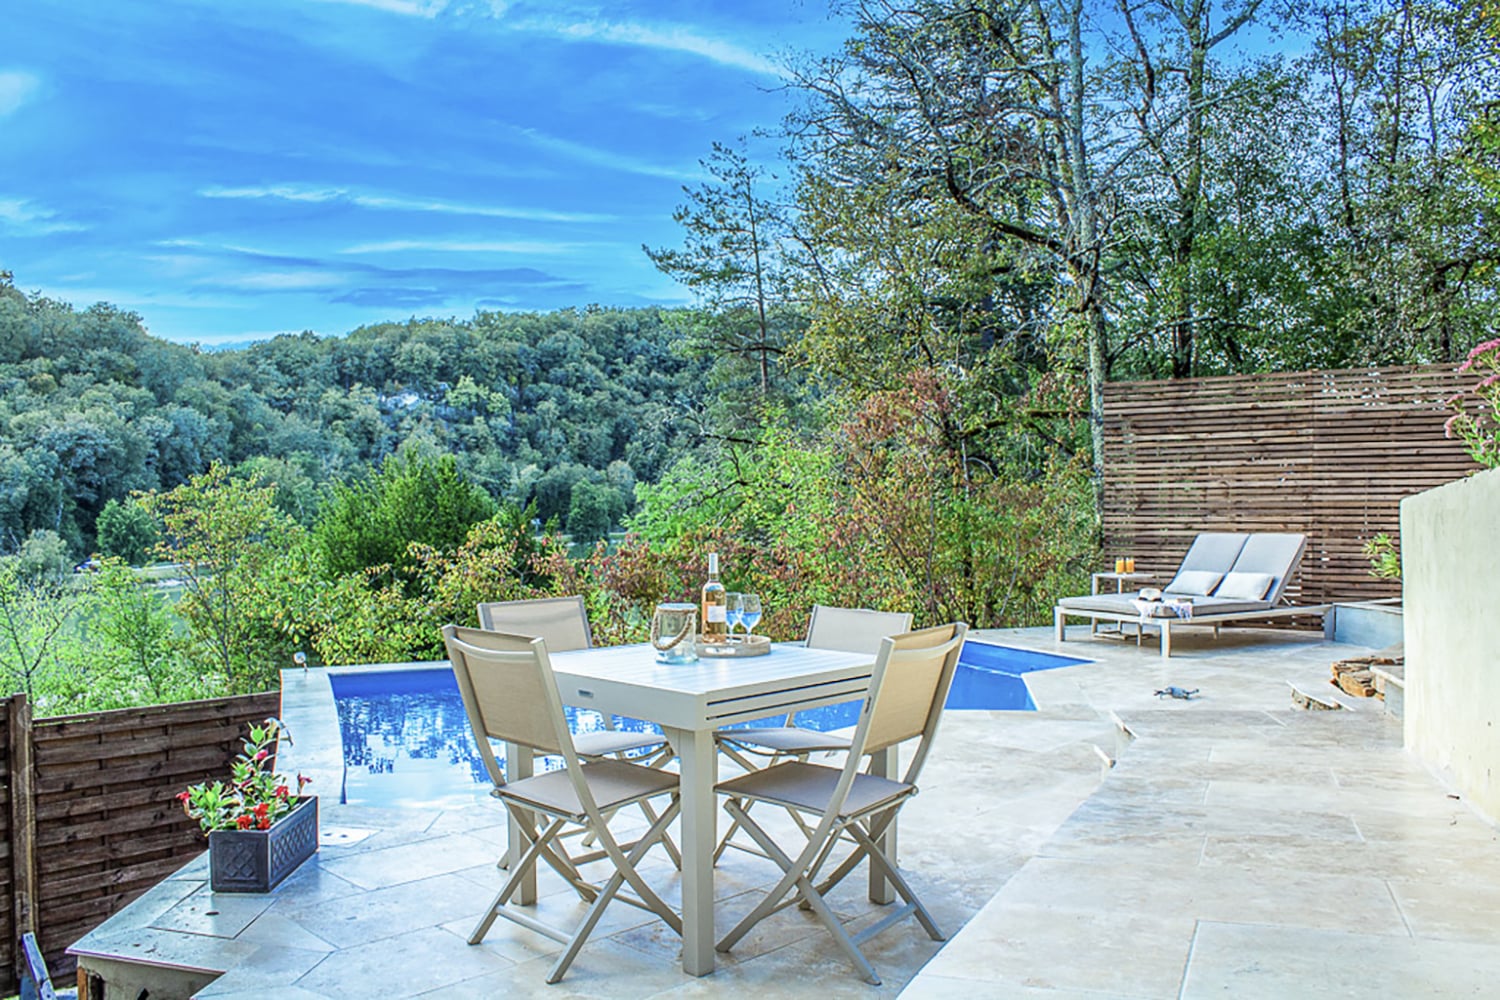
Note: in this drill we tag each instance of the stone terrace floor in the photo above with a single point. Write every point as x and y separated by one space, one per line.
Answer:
1239 847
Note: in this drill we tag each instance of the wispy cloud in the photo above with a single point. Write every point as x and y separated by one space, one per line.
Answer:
681 38
410 8
282 281
309 193
465 246
24 218
16 89
577 25
609 159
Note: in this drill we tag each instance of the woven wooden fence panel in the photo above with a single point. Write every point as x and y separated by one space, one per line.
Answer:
8 973
107 819
1327 453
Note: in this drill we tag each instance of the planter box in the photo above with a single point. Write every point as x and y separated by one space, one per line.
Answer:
256 860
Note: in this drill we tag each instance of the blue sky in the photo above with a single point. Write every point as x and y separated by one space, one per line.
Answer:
232 170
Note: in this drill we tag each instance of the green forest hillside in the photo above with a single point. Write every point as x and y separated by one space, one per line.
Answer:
534 407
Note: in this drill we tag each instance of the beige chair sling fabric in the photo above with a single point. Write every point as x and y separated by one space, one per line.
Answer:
908 686
562 621
856 630
509 693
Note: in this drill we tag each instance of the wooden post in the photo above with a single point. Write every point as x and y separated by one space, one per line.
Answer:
22 816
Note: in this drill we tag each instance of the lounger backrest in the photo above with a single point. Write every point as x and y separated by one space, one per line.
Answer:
1214 552
1277 554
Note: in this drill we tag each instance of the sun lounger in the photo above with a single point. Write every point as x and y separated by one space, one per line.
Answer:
1224 577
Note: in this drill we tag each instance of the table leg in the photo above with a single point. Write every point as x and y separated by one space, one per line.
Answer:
699 762
519 764
885 764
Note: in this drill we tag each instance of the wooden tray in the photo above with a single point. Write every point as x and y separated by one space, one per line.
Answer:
755 645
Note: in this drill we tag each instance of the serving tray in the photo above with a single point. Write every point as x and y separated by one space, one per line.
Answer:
754 645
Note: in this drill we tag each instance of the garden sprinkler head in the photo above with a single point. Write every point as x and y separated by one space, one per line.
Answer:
300 658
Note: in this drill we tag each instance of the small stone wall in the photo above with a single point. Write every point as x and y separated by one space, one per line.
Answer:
1450 557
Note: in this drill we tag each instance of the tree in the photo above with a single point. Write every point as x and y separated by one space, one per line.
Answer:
225 534
371 522
592 510
139 637
733 260
36 604
126 530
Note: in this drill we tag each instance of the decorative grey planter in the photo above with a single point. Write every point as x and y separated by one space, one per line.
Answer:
256 860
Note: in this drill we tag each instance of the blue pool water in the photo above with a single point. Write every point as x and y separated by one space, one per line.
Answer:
407 742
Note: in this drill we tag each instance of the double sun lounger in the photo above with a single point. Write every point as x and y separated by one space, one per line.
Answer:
1225 577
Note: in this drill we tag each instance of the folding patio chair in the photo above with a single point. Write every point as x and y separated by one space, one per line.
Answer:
908 686
510 694
564 623
563 618
855 630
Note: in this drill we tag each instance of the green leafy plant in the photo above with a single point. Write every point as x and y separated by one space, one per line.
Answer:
255 795
1385 558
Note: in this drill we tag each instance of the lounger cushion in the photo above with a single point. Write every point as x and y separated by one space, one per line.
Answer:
1124 605
1215 551
1276 553
1246 586
1194 581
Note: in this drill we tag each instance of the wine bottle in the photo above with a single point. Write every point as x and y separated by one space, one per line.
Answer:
715 620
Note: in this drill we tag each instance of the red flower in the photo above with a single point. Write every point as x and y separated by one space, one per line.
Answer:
262 755
261 809
264 824
243 821
282 791
183 797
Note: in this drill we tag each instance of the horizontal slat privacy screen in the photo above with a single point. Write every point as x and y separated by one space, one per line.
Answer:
1327 453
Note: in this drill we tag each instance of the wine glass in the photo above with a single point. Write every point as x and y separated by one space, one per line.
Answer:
733 610
749 613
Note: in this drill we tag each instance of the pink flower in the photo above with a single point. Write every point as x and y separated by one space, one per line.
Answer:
1478 351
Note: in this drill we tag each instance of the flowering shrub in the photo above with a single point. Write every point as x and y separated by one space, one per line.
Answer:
1479 428
254 797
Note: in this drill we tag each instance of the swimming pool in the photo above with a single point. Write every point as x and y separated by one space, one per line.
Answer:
406 738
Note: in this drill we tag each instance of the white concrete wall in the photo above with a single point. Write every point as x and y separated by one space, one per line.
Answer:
1450 564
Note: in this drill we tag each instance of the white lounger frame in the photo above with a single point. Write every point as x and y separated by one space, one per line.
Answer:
1142 622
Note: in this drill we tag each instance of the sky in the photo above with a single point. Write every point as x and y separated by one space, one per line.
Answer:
235 169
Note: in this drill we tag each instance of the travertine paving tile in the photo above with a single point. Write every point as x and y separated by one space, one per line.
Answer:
1252 962
424 959
380 868
1463 907
1039 947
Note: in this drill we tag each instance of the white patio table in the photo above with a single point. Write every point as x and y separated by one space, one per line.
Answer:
689 702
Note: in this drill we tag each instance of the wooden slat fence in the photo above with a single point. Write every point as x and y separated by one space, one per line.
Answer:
107 825
1327 453
9 935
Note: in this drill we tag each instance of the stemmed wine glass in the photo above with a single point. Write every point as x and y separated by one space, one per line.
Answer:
733 610
749 613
